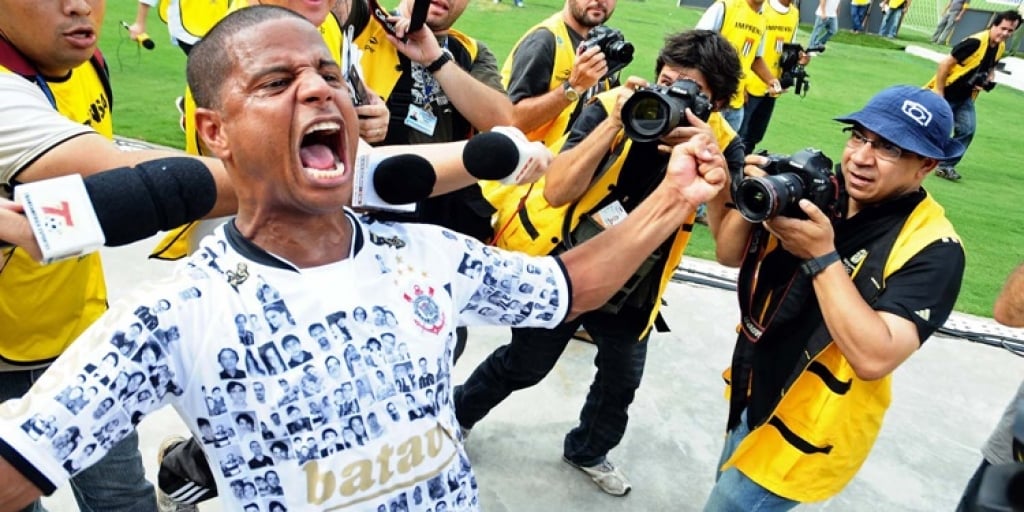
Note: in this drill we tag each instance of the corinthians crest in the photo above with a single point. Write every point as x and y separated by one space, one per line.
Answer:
426 313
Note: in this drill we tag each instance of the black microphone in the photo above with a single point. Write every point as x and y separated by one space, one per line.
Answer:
491 156
133 203
404 178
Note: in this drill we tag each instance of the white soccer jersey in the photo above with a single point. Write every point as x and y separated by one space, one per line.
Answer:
308 388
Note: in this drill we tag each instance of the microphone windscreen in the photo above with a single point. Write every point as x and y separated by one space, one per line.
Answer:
405 178
135 203
418 15
490 156
147 43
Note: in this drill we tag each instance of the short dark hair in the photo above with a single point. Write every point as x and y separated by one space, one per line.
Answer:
708 52
1011 15
210 60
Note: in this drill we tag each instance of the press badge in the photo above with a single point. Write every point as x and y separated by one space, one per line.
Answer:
610 215
421 120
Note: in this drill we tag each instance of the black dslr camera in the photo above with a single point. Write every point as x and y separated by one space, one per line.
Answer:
807 174
654 111
795 74
980 79
618 52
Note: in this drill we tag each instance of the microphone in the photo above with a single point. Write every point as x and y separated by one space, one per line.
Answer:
71 216
143 38
501 155
394 183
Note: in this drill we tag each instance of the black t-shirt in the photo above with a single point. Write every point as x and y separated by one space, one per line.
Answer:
533 62
641 173
929 282
961 88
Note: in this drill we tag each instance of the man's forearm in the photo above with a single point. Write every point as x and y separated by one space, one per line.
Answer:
571 172
534 112
17 491
481 105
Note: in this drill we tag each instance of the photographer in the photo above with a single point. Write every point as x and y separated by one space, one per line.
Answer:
781 20
548 78
1006 444
601 176
741 22
811 371
969 69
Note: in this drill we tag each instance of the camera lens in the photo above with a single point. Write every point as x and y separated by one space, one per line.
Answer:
648 115
758 199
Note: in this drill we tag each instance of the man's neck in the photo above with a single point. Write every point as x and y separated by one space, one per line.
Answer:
303 240
574 25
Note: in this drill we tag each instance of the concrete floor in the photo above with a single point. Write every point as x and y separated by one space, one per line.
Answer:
946 400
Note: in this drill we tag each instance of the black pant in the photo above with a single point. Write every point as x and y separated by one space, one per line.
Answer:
756 115
532 353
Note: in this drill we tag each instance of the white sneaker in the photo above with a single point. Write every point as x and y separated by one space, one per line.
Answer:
608 477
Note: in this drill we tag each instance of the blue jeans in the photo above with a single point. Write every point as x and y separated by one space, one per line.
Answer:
531 355
823 30
114 484
965 121
733 491
857 13
890 23
756 116
733 116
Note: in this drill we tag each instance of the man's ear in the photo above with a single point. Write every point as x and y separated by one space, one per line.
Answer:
209 129
927 165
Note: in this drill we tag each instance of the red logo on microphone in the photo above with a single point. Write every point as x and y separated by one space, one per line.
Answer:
58 218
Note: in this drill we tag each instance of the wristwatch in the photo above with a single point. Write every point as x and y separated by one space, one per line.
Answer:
814 266
570 93
445 57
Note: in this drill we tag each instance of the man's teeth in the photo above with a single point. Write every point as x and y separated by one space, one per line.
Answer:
323 126
323 174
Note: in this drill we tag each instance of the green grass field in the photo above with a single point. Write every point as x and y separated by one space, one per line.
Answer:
984 206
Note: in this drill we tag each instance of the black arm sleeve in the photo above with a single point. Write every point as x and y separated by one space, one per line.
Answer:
924 291
532 63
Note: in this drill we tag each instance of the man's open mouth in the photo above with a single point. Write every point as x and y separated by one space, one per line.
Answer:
319 150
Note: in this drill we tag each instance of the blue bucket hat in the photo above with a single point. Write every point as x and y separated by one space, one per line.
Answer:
915 119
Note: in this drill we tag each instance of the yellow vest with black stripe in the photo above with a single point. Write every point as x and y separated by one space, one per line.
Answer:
537 227
972 62
176 244
380 60
743 27
842 426
565 56
197 16
43 308
779 30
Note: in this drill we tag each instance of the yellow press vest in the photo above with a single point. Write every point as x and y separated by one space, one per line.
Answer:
779 30
743 27
841 427
551 133
380 60
971 62
536 228
175 245
197 16
896 4
43 308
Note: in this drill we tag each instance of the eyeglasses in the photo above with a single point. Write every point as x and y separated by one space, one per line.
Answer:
883 149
